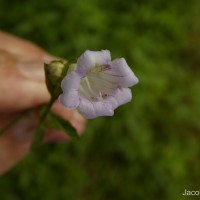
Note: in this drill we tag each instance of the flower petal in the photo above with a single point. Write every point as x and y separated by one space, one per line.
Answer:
102 108
69 100
91 109
70 86
91 59
86 108
120 72
122 96
101 57
71 81
112 101
96 86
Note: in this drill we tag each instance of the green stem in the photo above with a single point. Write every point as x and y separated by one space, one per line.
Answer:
46 111
39 134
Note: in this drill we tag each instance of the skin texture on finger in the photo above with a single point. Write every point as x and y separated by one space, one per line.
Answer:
73 116
16 143
20 47
21 90
20 93
20 131
21 74
10 156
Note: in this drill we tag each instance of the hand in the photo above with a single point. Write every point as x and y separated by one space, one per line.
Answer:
22 86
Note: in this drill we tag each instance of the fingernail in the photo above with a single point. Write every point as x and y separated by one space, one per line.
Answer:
33 69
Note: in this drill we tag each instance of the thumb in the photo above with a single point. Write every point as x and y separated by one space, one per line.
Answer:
22 83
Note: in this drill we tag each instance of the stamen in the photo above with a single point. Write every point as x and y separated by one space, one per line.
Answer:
100 94
87 86
87 83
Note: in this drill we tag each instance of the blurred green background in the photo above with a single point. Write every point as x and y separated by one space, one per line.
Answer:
150 149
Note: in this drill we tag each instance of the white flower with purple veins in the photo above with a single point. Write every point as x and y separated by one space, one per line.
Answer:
97 86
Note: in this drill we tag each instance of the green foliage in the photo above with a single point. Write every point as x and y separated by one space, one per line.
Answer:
57 123
150 148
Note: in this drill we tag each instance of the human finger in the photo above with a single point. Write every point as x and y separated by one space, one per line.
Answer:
16 143
22 83
22 47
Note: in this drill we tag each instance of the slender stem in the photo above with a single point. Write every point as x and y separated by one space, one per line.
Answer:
14 121
46 111
39 134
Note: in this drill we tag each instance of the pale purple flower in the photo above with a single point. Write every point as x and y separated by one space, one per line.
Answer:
96 86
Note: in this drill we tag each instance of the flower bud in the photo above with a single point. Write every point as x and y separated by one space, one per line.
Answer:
54 72
55 68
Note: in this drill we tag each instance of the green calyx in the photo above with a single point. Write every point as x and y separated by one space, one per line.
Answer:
54 73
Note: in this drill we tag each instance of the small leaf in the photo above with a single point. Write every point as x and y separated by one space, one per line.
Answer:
56 122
